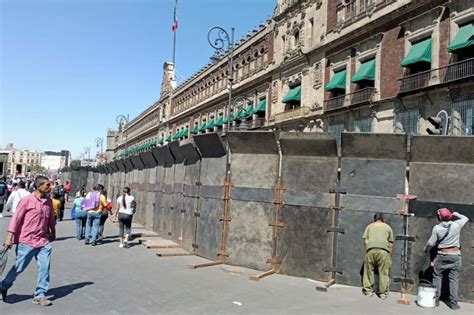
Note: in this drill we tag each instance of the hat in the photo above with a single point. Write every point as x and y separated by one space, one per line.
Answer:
445 214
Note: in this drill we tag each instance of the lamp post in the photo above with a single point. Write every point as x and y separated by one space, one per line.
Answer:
122 121
100 143
243 124
220 40
87 151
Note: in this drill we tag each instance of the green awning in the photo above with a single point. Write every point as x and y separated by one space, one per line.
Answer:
239 115
294 95
261 107
195 129
419 52
338 81
177 135
249 112
220 121
185 133
366 72
464 38
211 124
168 139
162 140
203 126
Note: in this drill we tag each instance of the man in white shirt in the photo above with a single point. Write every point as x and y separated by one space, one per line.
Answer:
16 196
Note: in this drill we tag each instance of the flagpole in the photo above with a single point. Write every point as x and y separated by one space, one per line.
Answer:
174 37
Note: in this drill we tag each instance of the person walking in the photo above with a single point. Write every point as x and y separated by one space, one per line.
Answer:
447 263
67 190
125 209
3 194
15 197
32 228
378 241
81 215
93 203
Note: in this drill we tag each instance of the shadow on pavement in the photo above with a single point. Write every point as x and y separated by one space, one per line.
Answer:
55 293
63 238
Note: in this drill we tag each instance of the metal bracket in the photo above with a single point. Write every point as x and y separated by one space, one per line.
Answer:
171 208
194 245
225 219
405 238
198 184
222 253
334 269
169 233
277 224
197 214
183 210
336 229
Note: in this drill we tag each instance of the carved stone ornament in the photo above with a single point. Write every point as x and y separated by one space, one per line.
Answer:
317 76
275 92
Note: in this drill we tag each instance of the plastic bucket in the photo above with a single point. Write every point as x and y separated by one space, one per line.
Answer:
426 295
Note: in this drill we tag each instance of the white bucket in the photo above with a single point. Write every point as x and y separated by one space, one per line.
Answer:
426 295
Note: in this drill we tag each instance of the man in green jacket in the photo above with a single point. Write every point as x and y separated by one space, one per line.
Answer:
378 241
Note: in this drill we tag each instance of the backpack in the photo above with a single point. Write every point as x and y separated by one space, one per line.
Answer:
91 201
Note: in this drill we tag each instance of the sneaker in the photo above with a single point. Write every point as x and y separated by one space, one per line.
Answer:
42 301
383 296
367 293
4 295
453 306
93 243
120 245
1 215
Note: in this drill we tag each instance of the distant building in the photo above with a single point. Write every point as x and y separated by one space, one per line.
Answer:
89 162
3 163
55 160
20 161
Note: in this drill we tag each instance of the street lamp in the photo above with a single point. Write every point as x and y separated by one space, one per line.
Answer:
219 39
243 124
122 121
87 151
100 143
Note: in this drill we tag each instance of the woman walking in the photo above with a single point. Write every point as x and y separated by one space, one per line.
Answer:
125 209
81 215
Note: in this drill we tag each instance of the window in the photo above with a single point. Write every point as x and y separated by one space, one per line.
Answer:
337 129
466 110
409 120
363 124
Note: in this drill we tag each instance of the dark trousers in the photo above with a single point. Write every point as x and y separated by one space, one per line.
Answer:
447 266
125 221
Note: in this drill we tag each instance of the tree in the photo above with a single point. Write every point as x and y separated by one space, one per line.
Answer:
37 169
75 164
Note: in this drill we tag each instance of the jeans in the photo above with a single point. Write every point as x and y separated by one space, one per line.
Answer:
125 220
24 254
381 259
92 226
81 218
450 266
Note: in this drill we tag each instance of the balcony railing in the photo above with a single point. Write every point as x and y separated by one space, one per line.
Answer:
361 96
450 73
335 102
300 112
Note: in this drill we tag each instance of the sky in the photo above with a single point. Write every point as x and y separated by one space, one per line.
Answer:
68 68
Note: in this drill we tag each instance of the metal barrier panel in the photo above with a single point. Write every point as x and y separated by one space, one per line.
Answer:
309 172
158 186
254 171
373 171
211 203
351 248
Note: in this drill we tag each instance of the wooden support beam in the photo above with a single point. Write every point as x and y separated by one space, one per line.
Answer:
209 264
174 254
262 275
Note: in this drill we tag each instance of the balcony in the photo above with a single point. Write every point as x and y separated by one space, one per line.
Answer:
451 73
297 113
365 95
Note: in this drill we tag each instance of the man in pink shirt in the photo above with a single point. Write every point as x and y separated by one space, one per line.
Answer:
33 228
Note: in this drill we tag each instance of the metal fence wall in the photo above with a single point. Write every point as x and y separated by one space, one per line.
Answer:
294 205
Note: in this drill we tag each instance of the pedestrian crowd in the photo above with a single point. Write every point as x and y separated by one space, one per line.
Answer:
35 214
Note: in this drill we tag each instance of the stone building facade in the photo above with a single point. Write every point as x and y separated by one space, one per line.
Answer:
326 66
19 161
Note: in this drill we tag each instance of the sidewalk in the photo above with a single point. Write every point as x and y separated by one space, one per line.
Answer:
107 279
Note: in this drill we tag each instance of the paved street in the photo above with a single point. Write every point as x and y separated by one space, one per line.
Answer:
107 279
